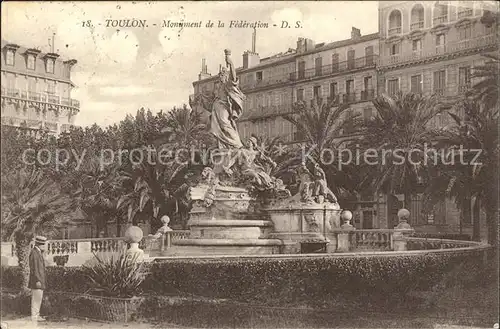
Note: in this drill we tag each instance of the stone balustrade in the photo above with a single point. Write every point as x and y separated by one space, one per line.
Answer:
80 251
371 240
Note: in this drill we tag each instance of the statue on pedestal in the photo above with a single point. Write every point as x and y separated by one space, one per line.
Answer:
226 107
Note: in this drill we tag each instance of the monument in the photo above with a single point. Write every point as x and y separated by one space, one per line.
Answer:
238 207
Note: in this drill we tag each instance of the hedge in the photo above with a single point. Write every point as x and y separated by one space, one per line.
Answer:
275 281
309 280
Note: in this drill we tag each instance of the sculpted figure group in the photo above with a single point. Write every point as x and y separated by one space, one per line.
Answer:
225 106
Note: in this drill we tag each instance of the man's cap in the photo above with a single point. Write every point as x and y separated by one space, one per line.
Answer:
40 239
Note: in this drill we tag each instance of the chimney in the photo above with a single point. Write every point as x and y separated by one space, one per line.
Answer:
251 58
301 45
355 33
254 39
204 72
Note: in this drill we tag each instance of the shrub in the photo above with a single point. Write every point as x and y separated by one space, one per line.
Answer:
116 276
371 279
61 260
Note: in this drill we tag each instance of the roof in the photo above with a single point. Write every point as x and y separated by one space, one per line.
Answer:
22 49
278 58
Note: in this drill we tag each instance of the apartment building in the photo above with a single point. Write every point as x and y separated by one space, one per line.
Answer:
430 47
343 71
36 89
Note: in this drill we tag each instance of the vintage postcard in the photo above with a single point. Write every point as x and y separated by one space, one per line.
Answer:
249 164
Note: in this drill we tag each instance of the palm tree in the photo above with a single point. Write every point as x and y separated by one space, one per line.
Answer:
485 91
323 128
32 204
401 125
184 126
148 184
98 193
473 176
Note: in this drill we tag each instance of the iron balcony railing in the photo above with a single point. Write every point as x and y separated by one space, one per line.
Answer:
449 48
465 12
395 30
325 70
440 19
39 97
417 25
269 81
264 111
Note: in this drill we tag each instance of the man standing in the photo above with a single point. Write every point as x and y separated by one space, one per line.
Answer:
37 277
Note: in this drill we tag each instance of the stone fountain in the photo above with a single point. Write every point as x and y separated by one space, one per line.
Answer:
238 207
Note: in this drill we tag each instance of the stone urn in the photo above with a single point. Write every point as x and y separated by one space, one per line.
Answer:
134 235
346 217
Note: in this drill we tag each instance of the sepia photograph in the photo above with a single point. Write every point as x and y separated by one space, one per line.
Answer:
250 164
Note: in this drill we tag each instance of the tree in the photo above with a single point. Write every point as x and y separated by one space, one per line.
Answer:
32 204
485 90
476 175
398 135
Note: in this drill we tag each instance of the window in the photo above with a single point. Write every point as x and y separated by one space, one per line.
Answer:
318 65
30 63
335 62
367 93
416 84
439 82
350 59
51 87
440 43
395 22
349 86
302 69
9 60
368 83
369 55
333 90
393 86
300 95
417 17
394 49
464 78
416 45
317 92
440 12
258 76
465 32
50 65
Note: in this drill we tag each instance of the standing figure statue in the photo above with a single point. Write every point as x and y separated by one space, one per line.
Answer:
227 107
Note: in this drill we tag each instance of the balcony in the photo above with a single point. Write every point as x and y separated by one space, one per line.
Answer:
265 111
270 81
40 97
465 12
463 88
440 20
452 47
367 95
326 70
394 30
348 98
334 100
417 26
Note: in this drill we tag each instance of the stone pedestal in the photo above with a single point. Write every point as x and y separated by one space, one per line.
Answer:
297 222
343 237
134 235
230 225
402 231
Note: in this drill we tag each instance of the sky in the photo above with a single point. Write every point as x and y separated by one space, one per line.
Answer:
120 70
